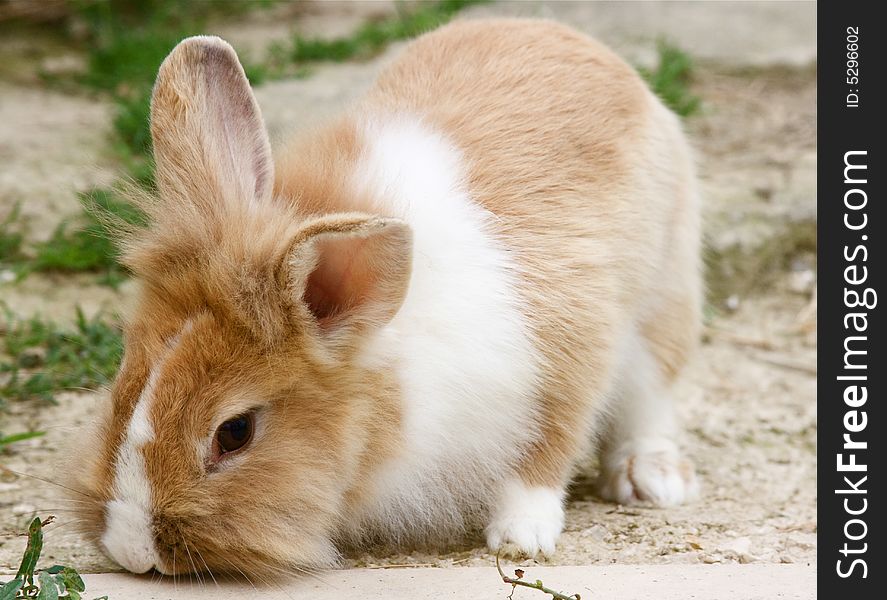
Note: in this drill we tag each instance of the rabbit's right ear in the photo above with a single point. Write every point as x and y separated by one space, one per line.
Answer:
208 135
350 272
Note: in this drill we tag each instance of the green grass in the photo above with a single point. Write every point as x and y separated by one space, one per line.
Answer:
738 271
38 358
127 53
671 79
374 36
11 238
8 440
127 41
89 245
83 244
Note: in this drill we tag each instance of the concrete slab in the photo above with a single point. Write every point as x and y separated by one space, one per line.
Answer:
657 582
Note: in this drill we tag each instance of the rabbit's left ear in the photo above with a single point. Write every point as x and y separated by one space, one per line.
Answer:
208 135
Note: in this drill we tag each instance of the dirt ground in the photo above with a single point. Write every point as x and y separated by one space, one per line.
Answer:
747 402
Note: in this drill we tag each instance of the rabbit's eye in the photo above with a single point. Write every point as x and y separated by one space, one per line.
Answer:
235 433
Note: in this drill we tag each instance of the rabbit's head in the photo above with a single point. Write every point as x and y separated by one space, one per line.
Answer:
244 417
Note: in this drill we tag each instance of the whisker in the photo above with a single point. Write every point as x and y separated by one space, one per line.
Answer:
48 528
59 427
70 489
65 524
80 388
76 501
74 518
191 561
294 570
206 566
250 581
191 571
268 582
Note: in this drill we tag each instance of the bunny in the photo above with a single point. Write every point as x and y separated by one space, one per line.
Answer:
413 323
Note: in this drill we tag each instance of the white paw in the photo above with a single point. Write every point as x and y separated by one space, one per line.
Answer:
527 520
659 476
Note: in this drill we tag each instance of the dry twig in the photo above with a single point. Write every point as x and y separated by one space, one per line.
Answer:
518 580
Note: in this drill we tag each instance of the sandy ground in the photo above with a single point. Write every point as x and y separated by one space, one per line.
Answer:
748 400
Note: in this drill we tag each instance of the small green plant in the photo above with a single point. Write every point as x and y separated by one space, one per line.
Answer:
39 358
374 36
128 41
671 78
55 583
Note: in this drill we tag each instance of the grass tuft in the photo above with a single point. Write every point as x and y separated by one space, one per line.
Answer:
671 79
38 358
11 237
128 39
374 36
127 42
90 245
736 270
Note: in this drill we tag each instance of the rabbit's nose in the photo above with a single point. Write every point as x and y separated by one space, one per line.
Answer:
127 539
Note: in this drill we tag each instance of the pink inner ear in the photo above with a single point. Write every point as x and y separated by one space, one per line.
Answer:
343 279
360 271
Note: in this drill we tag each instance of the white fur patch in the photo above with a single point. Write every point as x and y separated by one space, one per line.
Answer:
528 520
461 344
128 538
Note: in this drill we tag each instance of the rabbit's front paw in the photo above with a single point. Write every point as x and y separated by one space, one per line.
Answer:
527 521
662 477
